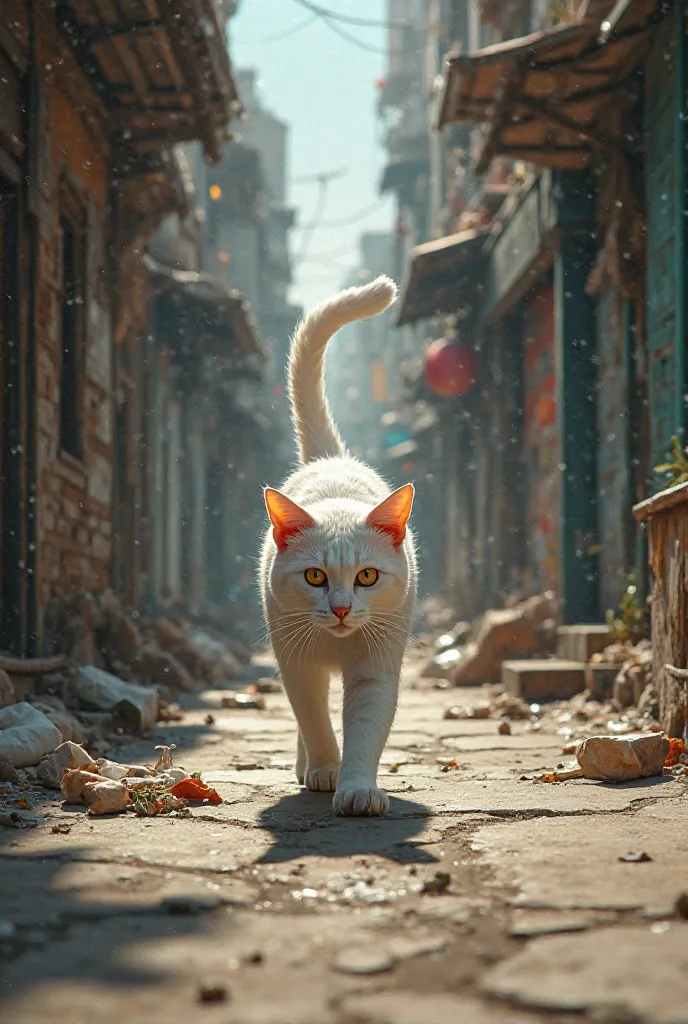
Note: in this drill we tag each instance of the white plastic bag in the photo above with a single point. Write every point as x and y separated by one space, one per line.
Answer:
26 735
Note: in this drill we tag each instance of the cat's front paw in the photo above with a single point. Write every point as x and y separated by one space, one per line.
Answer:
360 801
323 779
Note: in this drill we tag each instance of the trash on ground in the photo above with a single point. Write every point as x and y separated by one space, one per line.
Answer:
165 760
194 789
209 993
54 709
68 755
558 775
101 691
504 728
26 735
447 764
616 759
106 797
439 883
108 787
74 782
635 857
677 751
244 702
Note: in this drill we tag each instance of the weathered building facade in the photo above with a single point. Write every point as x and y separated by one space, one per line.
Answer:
90 107
582 118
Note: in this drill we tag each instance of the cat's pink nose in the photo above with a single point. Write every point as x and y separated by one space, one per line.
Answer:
341 612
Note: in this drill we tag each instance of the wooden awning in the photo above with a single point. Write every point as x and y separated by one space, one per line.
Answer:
442 276
160 67
205 313
546 97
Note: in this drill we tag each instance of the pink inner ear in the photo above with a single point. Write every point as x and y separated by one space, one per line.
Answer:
392 514
286 516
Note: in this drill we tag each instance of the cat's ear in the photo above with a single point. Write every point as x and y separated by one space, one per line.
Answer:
286 516
392 514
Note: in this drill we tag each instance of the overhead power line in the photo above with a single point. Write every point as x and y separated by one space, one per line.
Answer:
348 19
343 222
281 35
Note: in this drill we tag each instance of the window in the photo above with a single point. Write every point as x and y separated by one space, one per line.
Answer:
72 333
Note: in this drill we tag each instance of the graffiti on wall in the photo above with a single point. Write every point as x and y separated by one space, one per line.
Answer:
541 441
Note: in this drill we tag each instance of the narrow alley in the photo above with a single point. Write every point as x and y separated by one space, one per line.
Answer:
481 886
343 342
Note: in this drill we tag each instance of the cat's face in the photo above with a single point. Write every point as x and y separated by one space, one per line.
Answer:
340 570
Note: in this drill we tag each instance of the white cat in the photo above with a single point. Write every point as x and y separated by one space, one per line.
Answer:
338 577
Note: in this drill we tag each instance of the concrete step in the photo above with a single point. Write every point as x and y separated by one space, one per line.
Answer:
541 680
579 643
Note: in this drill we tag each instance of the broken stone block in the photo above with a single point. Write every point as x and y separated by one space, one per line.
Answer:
100 691
68 755
542 680
161 668
53 708
26 735
617 759
506 633
120 638
580 642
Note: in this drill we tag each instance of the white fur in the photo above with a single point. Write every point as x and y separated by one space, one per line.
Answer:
309 642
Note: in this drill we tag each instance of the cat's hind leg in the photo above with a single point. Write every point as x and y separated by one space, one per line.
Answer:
308 692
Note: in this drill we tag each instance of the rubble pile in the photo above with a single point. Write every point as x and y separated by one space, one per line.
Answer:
472 655
118 674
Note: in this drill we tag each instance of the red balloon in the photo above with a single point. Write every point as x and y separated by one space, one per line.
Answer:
450 369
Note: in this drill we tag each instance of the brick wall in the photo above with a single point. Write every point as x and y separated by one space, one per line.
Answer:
74 496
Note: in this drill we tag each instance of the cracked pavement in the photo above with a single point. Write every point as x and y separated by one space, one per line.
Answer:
269 910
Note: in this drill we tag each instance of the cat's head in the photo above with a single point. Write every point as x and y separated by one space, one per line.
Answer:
339 565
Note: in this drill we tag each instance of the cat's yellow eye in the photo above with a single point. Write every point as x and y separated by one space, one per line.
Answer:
367 577
316 577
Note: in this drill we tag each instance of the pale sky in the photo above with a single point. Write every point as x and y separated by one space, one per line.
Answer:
323 87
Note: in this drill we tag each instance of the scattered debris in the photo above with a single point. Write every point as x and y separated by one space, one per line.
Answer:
102 691
677 751
394 768
504 728
559 775
447 764
110 788
209 720
439 883
106 797
68 755
527 629
635 857
193 788
615 759
171 713
211 993
244 702
26 735
54 709
681 905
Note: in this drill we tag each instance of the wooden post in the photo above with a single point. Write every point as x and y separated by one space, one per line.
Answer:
666 515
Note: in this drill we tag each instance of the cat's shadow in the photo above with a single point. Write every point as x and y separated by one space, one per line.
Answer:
303 824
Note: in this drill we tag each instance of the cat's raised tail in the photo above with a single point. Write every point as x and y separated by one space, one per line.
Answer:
316 434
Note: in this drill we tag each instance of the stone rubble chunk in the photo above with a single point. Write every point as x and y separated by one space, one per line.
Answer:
26 735
100 691
617 759
67 755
